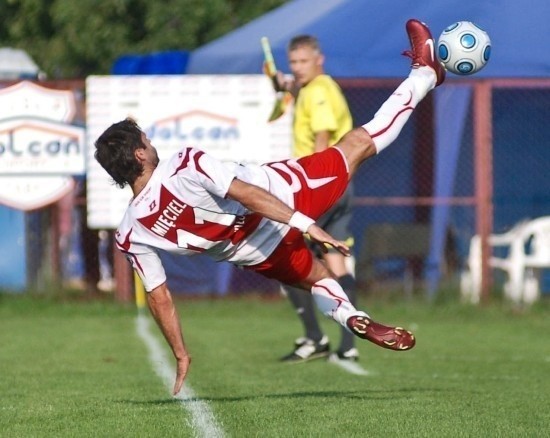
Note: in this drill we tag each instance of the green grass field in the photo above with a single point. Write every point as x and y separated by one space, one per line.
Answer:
78 368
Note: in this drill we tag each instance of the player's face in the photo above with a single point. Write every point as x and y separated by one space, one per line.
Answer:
150 150
305 63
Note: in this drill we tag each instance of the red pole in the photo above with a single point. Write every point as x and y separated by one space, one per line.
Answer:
124 281
483 155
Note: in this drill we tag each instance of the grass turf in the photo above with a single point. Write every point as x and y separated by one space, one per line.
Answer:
73 368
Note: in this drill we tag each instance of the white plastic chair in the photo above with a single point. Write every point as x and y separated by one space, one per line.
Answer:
528 245
533 255
470 278
470 281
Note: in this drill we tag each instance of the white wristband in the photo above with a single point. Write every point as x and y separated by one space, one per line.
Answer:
300 221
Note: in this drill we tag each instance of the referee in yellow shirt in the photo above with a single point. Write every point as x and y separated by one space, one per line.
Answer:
321 117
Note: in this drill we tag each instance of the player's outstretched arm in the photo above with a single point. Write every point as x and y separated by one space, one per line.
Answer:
165 314
322 238
261 201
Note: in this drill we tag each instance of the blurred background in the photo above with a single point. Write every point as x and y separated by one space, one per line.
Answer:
449 206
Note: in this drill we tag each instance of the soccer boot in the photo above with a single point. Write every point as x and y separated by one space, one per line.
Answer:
393 338
422 50
307 349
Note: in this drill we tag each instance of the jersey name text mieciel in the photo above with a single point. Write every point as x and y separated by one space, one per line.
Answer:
185 225
168 217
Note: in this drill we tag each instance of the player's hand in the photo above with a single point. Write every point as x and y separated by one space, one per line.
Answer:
321 237
182 367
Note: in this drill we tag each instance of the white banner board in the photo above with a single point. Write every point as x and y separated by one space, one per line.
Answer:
226 116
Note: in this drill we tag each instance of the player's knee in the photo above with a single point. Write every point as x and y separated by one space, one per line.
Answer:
318 272
357 145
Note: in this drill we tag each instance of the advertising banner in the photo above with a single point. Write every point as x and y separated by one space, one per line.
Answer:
39 148
226 116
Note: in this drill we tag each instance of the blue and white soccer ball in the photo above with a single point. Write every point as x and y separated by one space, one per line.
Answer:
464 48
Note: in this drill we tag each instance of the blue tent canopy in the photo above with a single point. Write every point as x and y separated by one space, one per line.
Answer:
364 38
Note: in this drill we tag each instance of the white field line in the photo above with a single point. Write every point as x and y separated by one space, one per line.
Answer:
203 423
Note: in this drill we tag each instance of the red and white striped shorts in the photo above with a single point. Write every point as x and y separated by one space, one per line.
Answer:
318 181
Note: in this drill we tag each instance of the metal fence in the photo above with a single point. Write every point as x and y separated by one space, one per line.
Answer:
499 169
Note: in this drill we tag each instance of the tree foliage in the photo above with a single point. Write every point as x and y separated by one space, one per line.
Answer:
76 38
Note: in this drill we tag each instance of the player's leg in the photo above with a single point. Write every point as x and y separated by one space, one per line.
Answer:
322 178
293 263
347 340
426 73
336 222
314 344
333 302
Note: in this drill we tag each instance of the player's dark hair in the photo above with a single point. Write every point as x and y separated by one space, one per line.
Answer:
304 40
115 151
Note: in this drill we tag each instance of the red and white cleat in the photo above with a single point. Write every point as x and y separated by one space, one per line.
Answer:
422 50
393 338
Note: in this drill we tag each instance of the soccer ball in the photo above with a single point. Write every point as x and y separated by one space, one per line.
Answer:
464 48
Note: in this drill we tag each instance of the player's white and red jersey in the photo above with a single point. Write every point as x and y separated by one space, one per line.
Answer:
183 210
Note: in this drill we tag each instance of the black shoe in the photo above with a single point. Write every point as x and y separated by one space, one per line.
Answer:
306 350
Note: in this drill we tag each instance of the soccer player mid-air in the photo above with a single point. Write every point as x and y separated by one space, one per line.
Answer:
254 216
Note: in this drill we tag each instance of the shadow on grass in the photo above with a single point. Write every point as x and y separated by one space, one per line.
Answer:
354 395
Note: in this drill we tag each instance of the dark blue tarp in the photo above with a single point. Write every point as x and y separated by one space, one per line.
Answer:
172 62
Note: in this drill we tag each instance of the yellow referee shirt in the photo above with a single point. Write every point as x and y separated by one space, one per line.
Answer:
320 106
